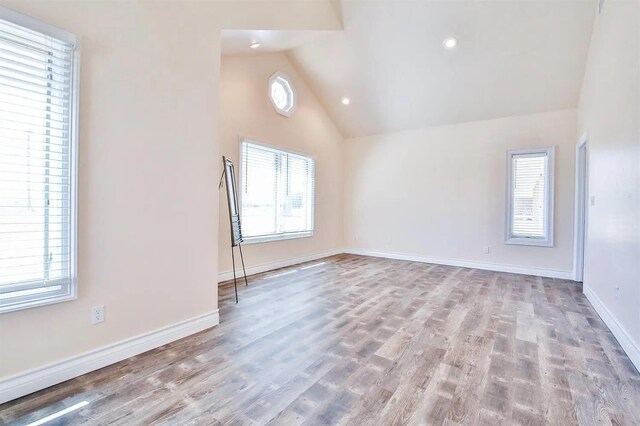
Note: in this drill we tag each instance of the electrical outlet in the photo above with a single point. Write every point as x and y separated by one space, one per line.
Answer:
486 249
97 314
617 292
593 200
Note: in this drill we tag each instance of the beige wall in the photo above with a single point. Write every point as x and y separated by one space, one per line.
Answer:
440 192
246 111
149 164
610 114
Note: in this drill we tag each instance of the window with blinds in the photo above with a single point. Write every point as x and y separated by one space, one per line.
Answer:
276 193
530 197
38 67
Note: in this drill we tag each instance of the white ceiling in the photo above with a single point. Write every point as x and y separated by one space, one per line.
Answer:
514 57
237 42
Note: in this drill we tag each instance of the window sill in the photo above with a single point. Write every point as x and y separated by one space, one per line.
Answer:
277 237
537 242
37 303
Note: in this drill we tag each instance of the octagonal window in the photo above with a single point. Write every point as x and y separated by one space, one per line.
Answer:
282 94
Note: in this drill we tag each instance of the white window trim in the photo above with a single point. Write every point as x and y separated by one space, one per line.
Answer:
294 95
277 237
44 28
284 236
548 240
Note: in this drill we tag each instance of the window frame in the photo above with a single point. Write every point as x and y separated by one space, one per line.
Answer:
548 239
279 75
71 292
281 236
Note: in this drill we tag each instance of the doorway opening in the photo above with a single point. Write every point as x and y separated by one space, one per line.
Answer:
580 208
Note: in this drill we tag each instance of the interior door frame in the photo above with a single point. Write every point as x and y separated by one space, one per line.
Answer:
580 210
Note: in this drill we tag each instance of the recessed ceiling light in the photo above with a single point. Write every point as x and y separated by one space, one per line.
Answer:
346 101
254 45
450 43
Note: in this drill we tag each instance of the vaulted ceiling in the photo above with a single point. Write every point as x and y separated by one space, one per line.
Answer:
513 57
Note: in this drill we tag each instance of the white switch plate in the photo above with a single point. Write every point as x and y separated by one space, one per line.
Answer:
486 249
97 314
593 200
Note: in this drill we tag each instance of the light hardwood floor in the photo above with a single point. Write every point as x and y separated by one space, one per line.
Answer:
365 341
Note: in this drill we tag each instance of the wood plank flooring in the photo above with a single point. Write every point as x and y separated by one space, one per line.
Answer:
365 341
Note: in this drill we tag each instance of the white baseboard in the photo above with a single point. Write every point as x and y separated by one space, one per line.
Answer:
630 347
31 381
225 276
498 267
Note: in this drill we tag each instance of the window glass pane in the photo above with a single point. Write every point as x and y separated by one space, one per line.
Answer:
296 201
277 192
36 96
529 196
259 201
279 94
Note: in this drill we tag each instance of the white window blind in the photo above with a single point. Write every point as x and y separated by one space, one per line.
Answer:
276 192
37 170
530 197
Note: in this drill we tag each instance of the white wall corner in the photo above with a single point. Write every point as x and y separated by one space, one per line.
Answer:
631 348
34 380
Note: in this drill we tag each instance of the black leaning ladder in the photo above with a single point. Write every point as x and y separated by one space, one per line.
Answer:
234 219
233 262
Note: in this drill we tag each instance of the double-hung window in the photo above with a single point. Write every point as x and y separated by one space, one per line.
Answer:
276 193
530 194
38 122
